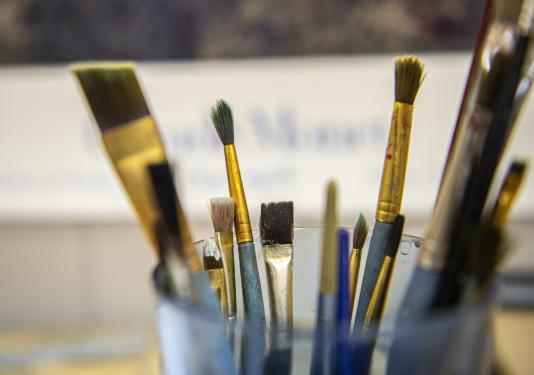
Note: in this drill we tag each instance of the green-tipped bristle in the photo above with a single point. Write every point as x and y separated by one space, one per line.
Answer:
409 74
360 232
221 115
112 91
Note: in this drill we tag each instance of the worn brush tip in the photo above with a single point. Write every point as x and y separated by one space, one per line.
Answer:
212 255
112 92
276 223
409 75
360 232
222 213
221 116
396 235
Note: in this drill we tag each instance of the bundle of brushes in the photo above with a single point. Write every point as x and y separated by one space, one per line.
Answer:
456 265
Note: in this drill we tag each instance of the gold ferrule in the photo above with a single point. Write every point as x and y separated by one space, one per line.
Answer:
375 311
279 267
225 241
354 272
131 148
218 285
243 231
394 170
505 200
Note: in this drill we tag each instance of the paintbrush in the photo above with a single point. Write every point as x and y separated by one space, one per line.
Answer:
408 78
343 308
222 217
490 245
131 138
481 177
324 337
358 240
276 232
364 351
213 265
176 225
221 115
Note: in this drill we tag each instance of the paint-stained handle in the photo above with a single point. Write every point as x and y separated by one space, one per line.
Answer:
250 283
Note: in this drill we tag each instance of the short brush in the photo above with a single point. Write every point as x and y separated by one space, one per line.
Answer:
361 229
222 217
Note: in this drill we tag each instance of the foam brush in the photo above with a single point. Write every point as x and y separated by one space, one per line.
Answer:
408 78
223 121
276 232
343 308
222 216
361 229
324 336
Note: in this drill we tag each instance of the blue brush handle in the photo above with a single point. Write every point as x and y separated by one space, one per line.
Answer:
324 337
375 256
343 305
405 352
250 283
215 338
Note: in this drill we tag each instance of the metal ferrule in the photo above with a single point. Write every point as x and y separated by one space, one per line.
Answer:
279 268
225 241
218 285
394 170
375 311
433 252
354 272
504 202
243 230
131 147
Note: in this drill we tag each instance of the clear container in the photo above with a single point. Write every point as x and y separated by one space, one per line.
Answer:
458 341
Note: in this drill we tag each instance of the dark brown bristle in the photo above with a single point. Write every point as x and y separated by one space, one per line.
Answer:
221 116
222 214
276 223
113 93
396 235
360 233
409 74
212 255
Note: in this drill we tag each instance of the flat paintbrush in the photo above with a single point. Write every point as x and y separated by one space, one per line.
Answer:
408 78
358 241
213 266
276 233
132 140
221 115
222 217
324 337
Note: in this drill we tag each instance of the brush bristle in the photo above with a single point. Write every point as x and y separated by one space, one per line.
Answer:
360 233
276 223
222 214
113 93
212 255
222 118
409 74
518 166
396 235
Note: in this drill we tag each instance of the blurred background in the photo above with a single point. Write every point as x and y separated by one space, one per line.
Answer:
311 85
